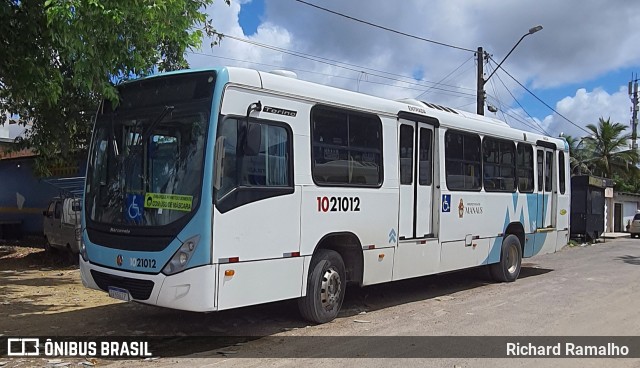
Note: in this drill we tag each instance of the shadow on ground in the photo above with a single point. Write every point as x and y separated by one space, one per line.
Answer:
633 260
186 333
24 258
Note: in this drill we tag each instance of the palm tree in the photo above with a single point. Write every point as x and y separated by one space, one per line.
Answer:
578 156
608 146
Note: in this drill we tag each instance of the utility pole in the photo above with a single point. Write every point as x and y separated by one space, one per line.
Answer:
633 95
482 80
480 89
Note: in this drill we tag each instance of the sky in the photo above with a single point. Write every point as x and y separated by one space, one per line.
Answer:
580 63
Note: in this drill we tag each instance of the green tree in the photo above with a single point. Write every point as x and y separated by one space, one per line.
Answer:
59 58
579 157
609 149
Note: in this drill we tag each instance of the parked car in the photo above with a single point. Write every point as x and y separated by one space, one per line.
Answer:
62 228
634 229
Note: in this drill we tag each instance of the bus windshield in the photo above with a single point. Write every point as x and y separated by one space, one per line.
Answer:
146 161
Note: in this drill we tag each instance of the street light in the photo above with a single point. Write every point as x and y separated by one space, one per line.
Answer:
482 80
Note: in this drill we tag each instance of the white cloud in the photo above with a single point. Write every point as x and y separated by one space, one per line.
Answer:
580 42
225 20
586 108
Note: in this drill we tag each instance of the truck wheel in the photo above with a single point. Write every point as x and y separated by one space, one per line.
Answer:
72 257
48 247
508 269
325 287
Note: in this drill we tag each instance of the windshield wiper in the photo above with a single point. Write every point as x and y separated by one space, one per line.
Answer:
147 132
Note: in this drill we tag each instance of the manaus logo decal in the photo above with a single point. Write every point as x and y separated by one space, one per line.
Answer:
119 259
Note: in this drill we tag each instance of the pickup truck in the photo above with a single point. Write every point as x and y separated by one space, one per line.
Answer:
62 228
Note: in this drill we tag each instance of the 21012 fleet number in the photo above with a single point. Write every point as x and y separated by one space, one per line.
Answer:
143 262
338 204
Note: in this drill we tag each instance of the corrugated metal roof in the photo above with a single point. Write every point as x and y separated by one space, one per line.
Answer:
70 187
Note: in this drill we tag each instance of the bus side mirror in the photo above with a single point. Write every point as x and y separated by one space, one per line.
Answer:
219 163
253 140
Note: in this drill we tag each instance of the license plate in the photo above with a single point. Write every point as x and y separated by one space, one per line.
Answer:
118 293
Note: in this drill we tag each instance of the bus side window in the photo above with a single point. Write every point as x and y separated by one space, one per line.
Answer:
561 173
499 165
540 159
269 167
463 162
524 166
346 148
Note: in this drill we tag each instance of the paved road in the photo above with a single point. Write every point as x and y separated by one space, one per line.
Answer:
591 290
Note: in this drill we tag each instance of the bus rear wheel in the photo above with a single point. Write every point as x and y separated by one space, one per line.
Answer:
508 269
325 287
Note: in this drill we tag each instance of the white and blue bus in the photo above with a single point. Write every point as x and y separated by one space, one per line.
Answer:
223 188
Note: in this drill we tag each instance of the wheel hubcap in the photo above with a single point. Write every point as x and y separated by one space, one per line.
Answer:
331 289
512 259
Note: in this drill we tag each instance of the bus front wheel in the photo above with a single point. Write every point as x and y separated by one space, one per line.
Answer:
325 287
508 269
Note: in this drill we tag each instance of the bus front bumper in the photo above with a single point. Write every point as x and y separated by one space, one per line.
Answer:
191 290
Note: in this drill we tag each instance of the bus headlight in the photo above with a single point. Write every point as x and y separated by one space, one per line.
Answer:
180 259
83 251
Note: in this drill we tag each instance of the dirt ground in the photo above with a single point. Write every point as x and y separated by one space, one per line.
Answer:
33 282
561 294
37 291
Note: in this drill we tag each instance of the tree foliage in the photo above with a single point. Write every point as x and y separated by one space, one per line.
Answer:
606 153
608 147
578 156
59 58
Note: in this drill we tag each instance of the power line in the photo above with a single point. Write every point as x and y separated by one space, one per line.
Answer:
330 61
522 107
447 76
351 67
516 117
446 92
523 121
493 86
541 101
465 105
384 28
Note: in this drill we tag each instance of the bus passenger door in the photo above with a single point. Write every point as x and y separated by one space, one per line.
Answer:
416 180
545 239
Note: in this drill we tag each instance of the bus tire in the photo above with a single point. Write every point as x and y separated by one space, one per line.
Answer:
508 269
325 287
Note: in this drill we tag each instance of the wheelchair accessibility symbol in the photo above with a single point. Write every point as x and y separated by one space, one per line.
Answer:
446 203
135 208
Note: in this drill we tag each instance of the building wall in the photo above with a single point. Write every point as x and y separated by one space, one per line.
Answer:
630 206
23 196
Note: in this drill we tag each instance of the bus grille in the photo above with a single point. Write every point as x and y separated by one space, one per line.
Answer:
139 289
